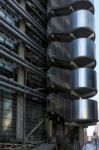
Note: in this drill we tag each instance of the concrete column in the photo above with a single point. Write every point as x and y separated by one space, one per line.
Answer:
20 79
81 136
51 129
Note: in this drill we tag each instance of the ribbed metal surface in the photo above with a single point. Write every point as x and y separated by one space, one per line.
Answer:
80 82
60 79
84 82
80 52
32 35
60 105
65 6
34 113
71 58
84 111
64 24
7 114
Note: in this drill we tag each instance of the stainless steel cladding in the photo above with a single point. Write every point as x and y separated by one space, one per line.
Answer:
80 52
60 105
59 78
83 52
75 4
84 111
81 81
71 56
81 19
84 82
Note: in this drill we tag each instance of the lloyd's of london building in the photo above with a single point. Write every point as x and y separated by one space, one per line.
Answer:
47 73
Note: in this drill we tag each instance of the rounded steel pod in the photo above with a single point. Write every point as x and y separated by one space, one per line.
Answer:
83 52
78 24
66 7
82 18
59 79
78 53
84 111
60 105
84 82
58 54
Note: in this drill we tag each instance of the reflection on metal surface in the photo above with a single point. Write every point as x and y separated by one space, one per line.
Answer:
65 6
78 53
81 20
60 105
84 111
84 82
59 78
81 81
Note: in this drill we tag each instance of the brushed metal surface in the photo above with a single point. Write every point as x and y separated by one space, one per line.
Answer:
57 4
81 81
65 24
84 82
80 51
59 78
60 105
84 111
82 18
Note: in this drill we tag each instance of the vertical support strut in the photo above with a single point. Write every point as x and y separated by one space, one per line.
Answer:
20 79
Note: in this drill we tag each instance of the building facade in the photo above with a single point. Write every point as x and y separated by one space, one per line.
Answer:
47 61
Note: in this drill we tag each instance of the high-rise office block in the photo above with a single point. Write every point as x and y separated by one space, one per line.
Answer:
47 77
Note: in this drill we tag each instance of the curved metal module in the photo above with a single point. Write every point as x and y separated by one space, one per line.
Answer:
59 79
84 83
60 105
62 7
78 24
78 53
81 82
83 52
71 56
84 111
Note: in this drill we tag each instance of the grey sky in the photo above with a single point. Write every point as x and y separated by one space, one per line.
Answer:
96 2
97 41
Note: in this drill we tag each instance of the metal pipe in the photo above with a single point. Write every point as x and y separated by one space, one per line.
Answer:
26 15
20 61
20 35
38 5
20 88
31 6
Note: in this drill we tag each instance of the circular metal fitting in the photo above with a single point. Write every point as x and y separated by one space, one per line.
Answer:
84 111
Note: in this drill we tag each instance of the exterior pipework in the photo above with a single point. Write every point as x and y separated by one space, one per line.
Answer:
23 14
22 69
19 34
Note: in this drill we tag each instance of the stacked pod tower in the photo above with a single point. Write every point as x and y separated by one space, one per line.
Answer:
71 57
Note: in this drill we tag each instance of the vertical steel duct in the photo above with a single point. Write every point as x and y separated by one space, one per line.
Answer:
71 57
